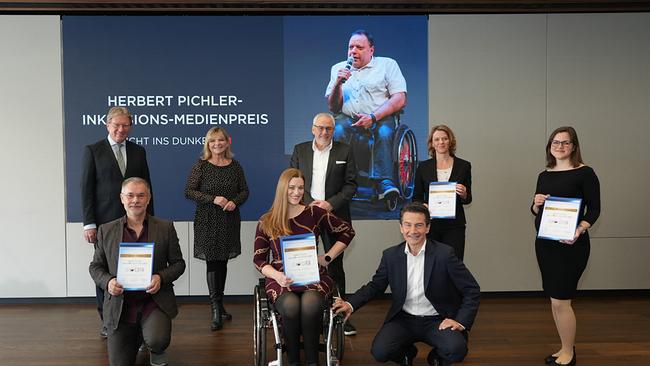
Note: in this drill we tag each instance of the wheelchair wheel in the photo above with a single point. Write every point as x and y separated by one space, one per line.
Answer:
259 329
391 201
337 343
339 339
405 158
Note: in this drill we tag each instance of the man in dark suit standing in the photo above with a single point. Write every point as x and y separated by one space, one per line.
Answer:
435 297
105 165
330 182
134 316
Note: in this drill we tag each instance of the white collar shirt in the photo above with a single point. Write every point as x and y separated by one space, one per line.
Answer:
370 86
319 171
416 303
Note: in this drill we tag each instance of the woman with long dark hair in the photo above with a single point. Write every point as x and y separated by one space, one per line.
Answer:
562 262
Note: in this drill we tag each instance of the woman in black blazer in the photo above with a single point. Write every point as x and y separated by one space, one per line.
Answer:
445 166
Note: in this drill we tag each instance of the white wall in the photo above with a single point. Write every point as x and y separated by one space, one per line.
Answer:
488 83
502 82
32 214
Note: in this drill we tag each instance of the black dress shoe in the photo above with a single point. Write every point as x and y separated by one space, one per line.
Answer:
409 355
432 358
571 363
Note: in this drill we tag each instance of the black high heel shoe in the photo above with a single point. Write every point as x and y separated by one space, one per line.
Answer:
550 359
571 363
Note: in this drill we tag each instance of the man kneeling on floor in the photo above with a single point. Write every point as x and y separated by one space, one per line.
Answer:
132 317
435 297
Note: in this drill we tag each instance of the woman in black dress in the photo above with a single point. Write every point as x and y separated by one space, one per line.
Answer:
218 186
562 262
445 166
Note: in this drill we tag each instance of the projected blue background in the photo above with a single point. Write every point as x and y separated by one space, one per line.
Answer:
276 67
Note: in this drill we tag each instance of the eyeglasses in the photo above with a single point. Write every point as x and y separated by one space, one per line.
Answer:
324 128
120 126
131 196
557 143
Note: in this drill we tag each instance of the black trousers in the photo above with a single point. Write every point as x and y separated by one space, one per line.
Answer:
453 236
335 268
396 336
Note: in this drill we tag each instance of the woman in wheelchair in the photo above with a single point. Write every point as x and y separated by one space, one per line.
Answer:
301 307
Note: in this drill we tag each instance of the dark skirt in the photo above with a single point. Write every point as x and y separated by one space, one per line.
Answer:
562 265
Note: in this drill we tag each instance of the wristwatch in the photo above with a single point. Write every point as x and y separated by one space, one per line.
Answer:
328 258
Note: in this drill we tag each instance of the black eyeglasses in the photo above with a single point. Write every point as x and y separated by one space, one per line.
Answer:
557 143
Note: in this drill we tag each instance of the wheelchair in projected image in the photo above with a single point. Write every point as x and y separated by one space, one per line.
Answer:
404 160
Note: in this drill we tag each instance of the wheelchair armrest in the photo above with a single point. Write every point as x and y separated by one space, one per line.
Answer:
261 293
260 288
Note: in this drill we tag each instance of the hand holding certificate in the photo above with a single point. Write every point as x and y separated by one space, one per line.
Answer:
559 218
135 266
442 200
300 260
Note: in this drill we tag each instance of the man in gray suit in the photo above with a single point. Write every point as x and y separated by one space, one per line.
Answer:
133 316
105 165
330 182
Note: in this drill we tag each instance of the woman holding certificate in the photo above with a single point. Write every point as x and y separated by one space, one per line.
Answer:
218 186
562 261
300 305
444 184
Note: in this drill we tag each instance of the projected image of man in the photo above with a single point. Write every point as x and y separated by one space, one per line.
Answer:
368 91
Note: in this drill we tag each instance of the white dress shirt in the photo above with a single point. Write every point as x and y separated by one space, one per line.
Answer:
319 171
416 302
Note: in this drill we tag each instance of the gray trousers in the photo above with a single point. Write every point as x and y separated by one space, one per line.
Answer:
123 342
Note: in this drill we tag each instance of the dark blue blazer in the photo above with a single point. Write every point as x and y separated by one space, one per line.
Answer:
448 284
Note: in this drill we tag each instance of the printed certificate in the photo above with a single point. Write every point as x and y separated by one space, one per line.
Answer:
559 218
300 258
135 266
442 200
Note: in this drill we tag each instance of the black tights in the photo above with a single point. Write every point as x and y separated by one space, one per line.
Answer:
216 277
301 314
220 267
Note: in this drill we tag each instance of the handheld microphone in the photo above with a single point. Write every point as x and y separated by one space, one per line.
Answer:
348 65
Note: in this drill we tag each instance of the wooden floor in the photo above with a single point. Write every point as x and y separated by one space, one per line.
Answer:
513 331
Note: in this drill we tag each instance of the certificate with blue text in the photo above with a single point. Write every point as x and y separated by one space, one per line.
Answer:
300 258
442 200
559 218
135 266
